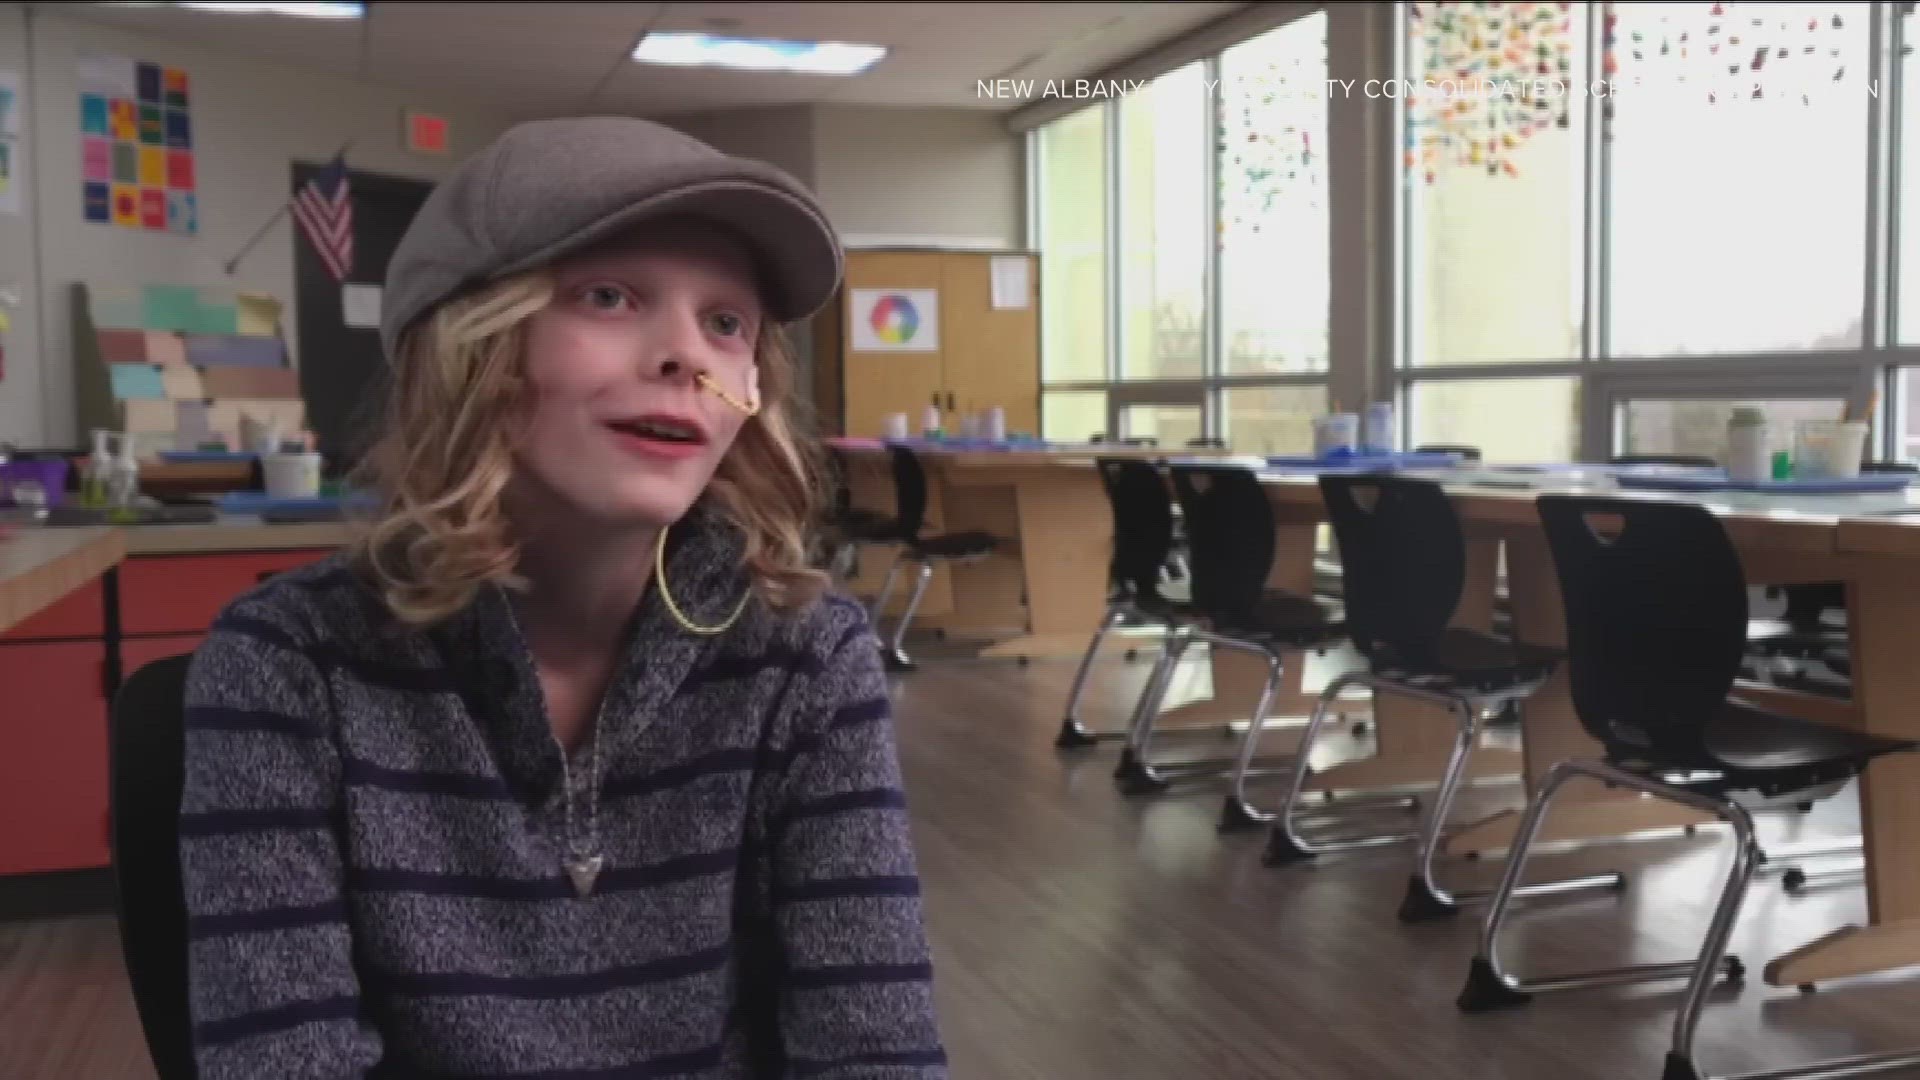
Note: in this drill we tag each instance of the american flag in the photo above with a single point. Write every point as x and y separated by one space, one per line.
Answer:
324 209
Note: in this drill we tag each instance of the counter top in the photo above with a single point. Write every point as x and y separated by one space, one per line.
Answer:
235 534
40 566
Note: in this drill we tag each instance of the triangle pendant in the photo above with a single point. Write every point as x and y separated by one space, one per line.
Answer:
584 870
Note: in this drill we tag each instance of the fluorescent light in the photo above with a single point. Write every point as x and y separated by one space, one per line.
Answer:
758 54
341 10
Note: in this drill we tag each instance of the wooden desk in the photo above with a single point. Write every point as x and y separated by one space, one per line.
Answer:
1044 591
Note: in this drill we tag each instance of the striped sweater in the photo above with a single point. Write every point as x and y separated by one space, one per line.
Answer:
372 835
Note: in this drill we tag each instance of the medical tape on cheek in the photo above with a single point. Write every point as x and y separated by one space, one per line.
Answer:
751 406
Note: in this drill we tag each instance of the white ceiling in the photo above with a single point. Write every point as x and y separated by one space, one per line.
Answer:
536 59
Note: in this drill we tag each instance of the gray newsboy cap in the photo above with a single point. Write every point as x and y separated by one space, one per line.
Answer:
547 188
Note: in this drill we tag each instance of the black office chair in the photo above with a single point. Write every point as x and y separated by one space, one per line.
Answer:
910 512
1142 540
847 526
147 760
1403 557
1656 610
1207 442
1231 527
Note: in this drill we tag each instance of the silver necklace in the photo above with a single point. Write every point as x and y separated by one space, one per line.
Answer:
583 859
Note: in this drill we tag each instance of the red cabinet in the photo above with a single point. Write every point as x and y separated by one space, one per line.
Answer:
53 682
53 771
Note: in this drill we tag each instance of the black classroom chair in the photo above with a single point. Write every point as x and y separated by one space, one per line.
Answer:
1678 461
1656 619
1403 557
1230 525
910 512
148 763
1143 539
847 526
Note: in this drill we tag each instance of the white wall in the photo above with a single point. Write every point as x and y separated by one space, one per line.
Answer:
920 176
251 121
779 135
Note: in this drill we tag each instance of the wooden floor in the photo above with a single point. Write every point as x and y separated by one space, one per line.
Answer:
1083 935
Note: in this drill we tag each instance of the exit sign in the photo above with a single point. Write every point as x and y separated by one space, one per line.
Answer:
425 132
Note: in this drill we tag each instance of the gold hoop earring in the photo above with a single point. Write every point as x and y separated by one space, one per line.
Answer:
660 574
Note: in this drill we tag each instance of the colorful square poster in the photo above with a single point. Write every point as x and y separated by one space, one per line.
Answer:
153 130
153 209
93 115
96 159
98 202
136 147
179 170
175 82
126 205
153 167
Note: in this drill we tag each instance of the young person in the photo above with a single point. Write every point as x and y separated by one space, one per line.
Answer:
568 768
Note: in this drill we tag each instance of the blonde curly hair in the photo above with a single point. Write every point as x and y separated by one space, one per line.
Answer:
443 459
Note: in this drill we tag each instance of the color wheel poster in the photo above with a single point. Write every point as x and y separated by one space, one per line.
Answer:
895 320
136 146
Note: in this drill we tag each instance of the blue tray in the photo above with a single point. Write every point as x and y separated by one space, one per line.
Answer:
179 457
1356 462
259 502
1715 480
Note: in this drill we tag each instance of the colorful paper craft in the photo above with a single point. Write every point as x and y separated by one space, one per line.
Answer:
137 136
137 382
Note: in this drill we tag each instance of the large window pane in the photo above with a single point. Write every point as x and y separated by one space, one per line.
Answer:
1163 241
1533 420
1273 200
1698 428
1072 415
1737 222
1171 426
1906 416
1495 187
1072 173
1271 419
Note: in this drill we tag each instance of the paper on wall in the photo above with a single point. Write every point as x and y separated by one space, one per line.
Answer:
360 305
1012 282
895 320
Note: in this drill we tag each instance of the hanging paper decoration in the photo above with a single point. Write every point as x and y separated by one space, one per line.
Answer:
1771 50
1486 78
1272 112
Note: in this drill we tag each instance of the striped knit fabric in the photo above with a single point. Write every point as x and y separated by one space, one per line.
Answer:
372 835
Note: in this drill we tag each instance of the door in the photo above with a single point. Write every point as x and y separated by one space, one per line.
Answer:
1172 416
894 380
342 370
992 354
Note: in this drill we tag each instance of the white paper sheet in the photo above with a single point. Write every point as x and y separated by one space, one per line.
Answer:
360 305
1012 282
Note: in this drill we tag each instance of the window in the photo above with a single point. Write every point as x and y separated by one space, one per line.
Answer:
1737 210
1163 221
1185 231
1494 188
1698 427
1532 420
1071 169
1072 415
1269 420
1272 169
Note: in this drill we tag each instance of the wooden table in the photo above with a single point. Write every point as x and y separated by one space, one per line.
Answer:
1043 593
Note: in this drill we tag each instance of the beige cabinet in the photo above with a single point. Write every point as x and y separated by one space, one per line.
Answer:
982 357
